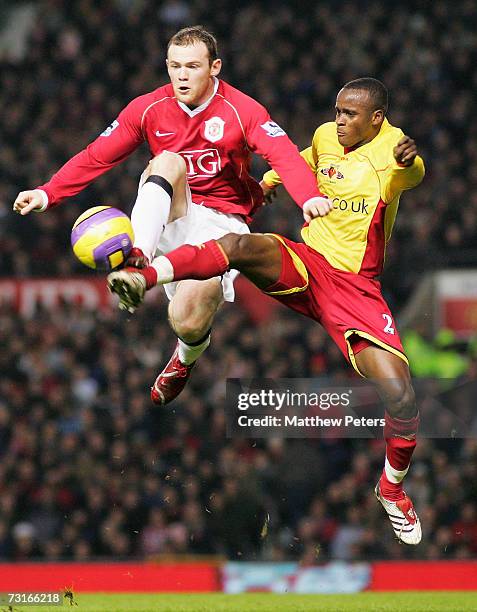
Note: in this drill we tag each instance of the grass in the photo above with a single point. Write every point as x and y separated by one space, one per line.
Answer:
434 601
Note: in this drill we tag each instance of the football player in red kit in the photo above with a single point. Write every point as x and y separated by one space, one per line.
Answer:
201 133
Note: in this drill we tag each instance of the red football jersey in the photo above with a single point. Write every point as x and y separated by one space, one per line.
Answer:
216 141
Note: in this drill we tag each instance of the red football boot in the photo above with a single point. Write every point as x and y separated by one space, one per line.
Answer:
171 380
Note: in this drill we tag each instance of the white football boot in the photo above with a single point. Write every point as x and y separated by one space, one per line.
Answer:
403 517
130 286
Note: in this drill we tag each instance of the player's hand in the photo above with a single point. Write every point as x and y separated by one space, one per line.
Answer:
405 151
269 193
316 207
26 201
136 259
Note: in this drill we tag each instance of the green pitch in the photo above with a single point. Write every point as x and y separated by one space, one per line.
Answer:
265 602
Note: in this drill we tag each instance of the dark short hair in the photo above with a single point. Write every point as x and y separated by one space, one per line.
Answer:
378 92
192 35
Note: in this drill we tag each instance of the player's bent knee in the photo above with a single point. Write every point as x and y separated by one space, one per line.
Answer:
192 326
190 318
401 400
188 332
169 165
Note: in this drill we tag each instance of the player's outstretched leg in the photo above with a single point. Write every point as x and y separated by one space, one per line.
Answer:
392 377
257 256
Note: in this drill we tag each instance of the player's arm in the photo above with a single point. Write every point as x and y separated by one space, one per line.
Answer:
407 169
267 139
110 148
271 178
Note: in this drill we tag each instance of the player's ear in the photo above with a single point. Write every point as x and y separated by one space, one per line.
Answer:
378 117
215 67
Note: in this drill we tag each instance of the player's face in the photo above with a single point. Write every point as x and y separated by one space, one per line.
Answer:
356 121
191 73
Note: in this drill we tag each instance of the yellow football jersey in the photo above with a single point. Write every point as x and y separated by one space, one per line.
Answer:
365 185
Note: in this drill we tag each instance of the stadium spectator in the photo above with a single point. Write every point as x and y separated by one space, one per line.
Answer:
159 488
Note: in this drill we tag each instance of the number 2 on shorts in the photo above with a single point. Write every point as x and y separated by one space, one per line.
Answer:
388 328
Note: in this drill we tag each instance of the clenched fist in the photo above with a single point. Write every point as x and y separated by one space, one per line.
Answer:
405 151
316 207
26 201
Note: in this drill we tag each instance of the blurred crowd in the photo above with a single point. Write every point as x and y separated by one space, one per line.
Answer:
68 68
87 467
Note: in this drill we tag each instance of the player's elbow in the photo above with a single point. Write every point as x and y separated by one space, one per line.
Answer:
420 171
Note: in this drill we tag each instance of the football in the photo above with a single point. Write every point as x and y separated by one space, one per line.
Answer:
102 237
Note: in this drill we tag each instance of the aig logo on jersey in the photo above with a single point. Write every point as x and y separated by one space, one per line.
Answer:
201 163
214 129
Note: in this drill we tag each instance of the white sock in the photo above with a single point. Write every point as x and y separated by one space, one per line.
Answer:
164 269
149 216
393 475
188 354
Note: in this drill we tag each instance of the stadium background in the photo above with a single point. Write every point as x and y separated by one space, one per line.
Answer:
87 469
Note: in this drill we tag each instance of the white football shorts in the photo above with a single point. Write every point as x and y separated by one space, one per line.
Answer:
199 225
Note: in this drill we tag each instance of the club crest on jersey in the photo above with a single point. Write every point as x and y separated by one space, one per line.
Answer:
331 172
214 129
272 129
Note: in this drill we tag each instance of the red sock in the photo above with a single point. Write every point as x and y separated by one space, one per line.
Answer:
150 275
400 436
198 262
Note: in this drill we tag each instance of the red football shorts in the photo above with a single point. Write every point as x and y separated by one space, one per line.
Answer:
349 306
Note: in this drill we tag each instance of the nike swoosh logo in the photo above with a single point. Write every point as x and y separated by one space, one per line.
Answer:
159 134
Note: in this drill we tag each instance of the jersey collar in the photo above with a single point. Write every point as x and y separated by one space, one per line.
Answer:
199 109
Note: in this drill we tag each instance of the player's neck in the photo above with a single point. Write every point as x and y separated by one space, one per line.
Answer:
361 143
207 95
